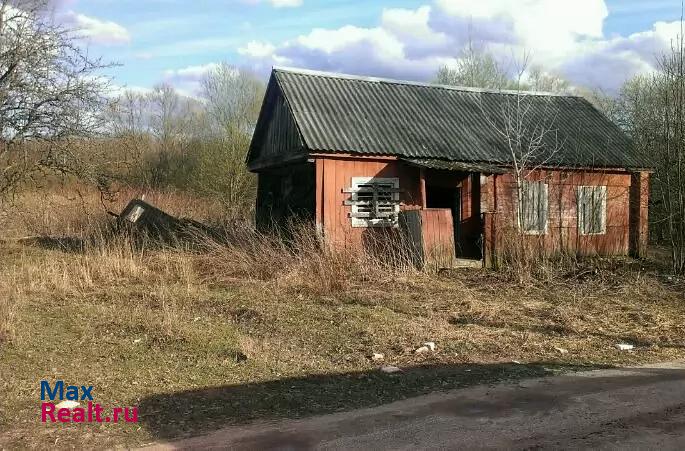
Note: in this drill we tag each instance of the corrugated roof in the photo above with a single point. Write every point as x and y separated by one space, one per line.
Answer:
342 113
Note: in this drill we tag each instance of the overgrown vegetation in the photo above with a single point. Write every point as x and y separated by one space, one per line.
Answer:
651 109
255 326
259 328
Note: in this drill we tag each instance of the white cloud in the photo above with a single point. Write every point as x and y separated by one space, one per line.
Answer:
119 90
189 73
609 62
562 36
95 30
286 3
257 49
413 29
188 80
277 3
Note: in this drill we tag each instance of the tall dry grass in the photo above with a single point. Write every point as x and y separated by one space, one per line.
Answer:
77 210
11 295
96 255
526 259
298 259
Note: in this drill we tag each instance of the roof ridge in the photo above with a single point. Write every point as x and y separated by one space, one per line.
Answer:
342 76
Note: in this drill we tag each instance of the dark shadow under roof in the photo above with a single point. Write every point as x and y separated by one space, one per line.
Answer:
446 165
371 116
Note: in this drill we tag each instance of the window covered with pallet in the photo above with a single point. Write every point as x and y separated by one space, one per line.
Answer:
375 201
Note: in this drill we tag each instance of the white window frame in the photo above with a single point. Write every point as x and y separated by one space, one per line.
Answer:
581 193
380 222
521 207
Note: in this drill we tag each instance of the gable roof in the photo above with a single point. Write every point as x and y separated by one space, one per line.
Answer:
375 116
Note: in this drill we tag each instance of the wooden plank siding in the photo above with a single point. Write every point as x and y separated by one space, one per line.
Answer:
335 174
562 232
492 194
280 143
438 236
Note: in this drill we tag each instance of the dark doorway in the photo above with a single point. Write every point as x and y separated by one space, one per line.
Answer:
448 197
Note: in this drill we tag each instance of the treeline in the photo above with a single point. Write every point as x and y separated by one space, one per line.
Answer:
651 109
169 141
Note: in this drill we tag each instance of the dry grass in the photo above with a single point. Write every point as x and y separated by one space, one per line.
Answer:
278 327
74 210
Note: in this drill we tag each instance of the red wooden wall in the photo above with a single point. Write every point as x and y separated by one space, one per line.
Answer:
334 174
497 194
438 235
563 233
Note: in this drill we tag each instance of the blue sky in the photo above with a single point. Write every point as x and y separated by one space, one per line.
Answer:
592 42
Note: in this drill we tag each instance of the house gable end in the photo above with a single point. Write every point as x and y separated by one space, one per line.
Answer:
276 139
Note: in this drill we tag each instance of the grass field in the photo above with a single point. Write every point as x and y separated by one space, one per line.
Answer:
256 331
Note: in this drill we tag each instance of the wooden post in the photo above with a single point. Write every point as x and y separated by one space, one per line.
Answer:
422 186
319 196
639 215
489 240
489 222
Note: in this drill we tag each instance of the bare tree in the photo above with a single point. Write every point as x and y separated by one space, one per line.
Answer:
232 101
526 124
476 68
671 147
651 109
538 79
233 97
50 96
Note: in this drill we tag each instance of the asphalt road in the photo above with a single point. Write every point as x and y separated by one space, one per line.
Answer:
632 408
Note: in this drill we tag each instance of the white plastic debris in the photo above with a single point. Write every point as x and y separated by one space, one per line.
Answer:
516 362
422 350
377 356
390 369
430 345
137 340
67 405
561 350
624 346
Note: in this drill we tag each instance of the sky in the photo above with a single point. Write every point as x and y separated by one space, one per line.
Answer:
593 43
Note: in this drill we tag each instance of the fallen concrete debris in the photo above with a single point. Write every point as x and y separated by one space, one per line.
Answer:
430 345
624 346
161 225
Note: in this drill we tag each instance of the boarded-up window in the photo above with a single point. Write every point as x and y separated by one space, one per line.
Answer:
533 207
375 201
592 209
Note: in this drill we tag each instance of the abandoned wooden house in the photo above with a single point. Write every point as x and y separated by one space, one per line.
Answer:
464 166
